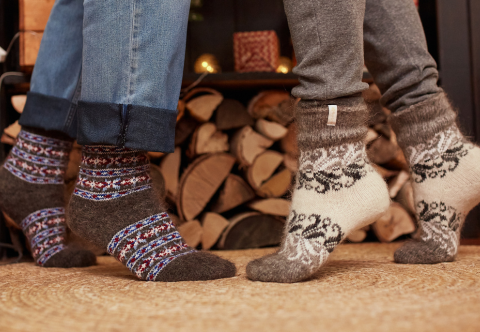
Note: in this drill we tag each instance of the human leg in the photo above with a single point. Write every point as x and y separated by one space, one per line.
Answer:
443 163
31 180
336 190
132 72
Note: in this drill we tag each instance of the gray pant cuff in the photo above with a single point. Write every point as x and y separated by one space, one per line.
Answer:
128 126
420 122
312 118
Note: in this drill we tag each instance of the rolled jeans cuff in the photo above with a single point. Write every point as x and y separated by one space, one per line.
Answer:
49 113
127 126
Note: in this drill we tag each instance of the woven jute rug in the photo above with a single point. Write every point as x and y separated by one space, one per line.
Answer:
361 289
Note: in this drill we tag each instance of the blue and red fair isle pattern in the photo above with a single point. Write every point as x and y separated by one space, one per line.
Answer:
109 172
45 230
38 159
148 245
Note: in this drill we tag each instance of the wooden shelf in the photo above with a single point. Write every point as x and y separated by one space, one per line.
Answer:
234 80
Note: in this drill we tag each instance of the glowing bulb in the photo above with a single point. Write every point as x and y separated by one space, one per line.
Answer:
282 69
205 64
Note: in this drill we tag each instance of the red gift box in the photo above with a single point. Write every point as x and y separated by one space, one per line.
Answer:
256 51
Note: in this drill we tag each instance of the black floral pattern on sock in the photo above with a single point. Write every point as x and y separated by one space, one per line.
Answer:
323 181
439 165
439 213
320 230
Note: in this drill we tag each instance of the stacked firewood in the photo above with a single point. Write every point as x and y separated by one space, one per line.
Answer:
229 179
228 182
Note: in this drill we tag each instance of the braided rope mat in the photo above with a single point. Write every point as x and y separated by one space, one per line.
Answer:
361 289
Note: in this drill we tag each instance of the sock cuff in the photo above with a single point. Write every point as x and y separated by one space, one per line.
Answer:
312 117
420 122
56 135
48 141
107 149
111 157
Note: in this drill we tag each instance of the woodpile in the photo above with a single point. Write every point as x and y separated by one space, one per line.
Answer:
228 183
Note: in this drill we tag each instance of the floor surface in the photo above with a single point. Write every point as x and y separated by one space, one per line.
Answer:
360 289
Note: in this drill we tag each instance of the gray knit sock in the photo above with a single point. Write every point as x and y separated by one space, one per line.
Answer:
32 195
445 170
115 207
336 192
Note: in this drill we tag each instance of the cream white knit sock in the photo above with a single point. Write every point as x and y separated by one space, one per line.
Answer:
337 191
445 169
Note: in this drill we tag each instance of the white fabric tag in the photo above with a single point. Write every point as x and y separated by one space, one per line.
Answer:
332 115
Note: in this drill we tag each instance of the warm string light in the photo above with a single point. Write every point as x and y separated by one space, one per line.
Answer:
284 65
206 63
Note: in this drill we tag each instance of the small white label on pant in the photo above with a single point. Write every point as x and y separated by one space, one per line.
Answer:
332 115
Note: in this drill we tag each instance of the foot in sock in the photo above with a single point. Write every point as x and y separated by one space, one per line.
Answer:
445 171
336 192
32 196
115 207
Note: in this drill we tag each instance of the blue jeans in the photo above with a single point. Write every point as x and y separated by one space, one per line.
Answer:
110 72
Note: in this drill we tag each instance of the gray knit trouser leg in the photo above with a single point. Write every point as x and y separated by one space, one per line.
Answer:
396 53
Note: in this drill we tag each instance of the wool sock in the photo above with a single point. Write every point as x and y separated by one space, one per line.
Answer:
336 191
32 196
115 207
445 172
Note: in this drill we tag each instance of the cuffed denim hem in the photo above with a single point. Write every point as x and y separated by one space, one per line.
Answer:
49 113
128 126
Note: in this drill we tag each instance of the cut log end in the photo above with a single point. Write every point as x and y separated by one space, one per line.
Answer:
235 191
191 232
200 181
213 226
394 223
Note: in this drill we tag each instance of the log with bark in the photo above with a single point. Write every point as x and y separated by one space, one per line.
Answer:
231 114
207 139
252 230
202 107
394 223
246 144
200 181
235 192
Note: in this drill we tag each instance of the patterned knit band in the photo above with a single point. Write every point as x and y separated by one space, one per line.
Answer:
45 230
38 159
148 245
109 172
339 167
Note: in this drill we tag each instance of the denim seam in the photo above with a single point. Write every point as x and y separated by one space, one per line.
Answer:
127 121
132 54
73 106
119 138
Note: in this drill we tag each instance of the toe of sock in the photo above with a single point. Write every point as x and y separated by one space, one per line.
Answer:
417 252
72 257
197 266
274 268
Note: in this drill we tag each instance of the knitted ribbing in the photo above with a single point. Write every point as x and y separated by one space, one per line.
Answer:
312 116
